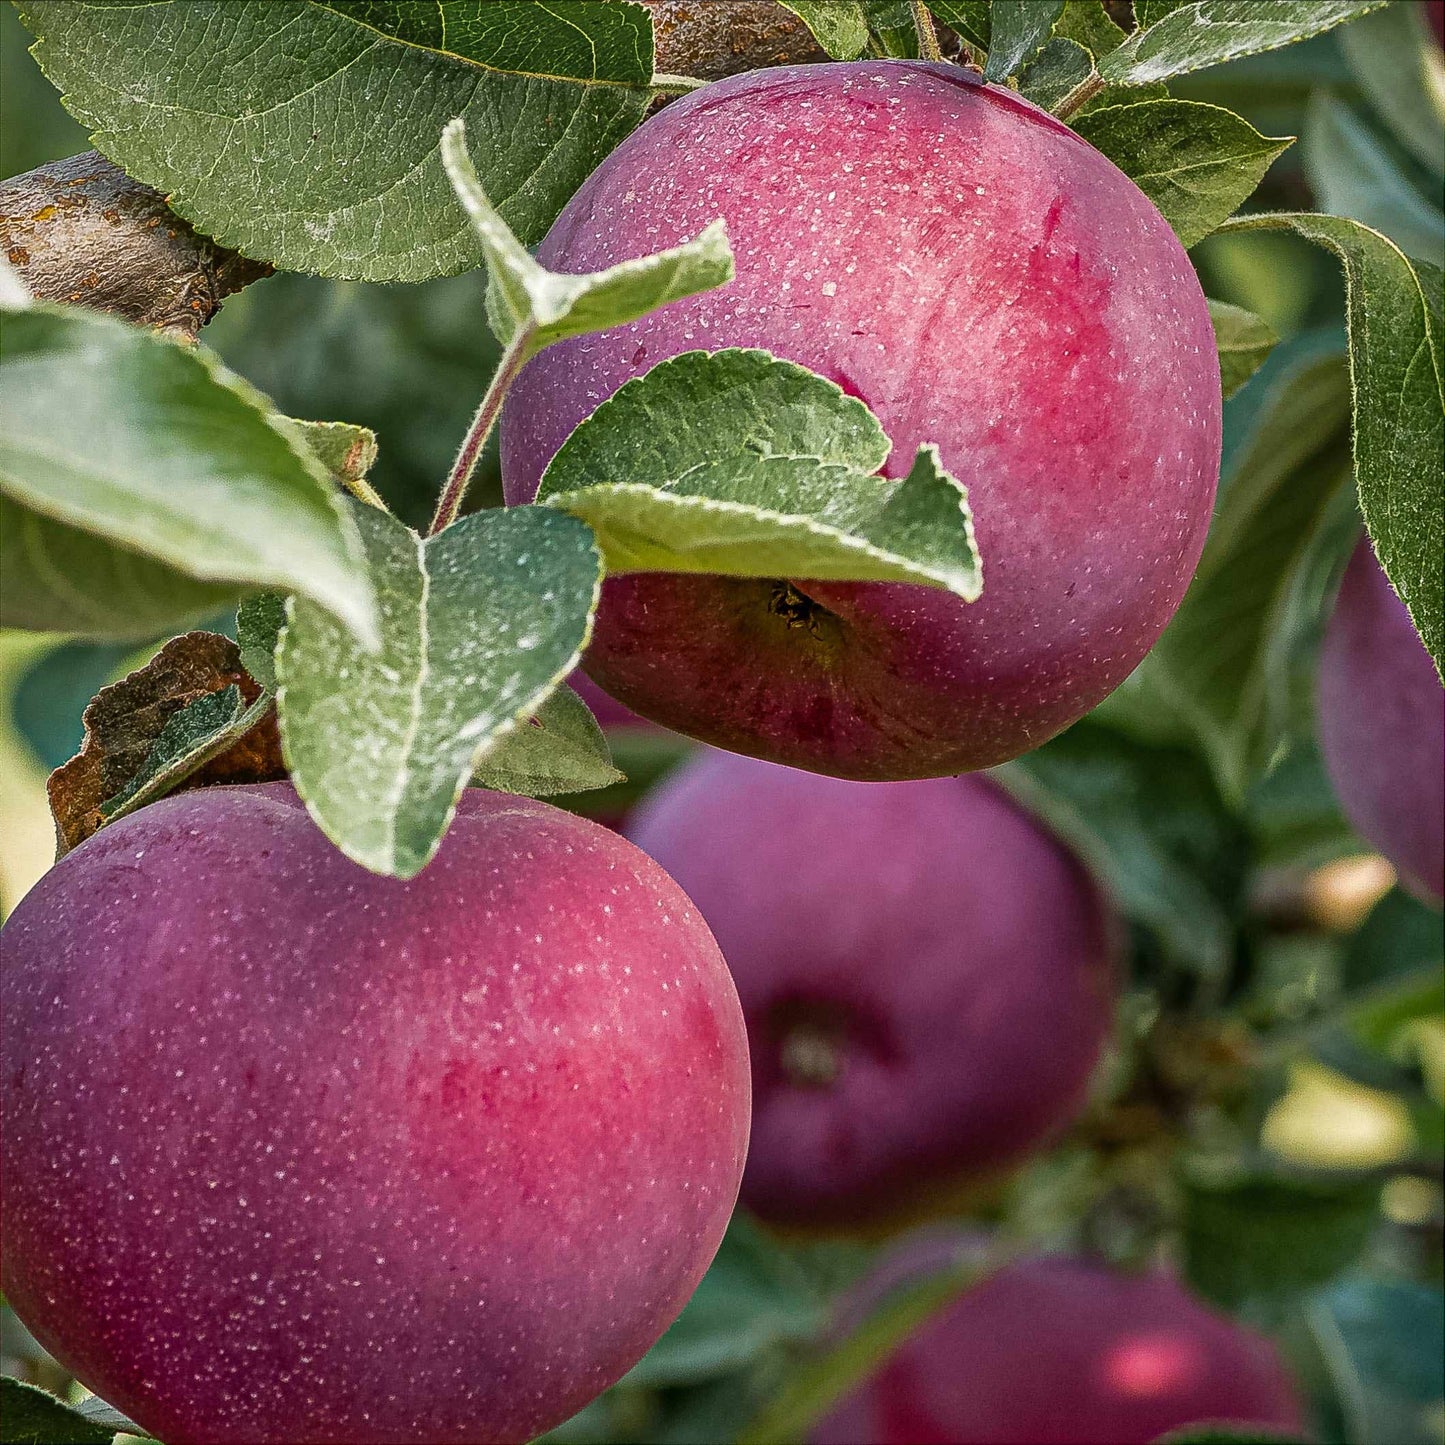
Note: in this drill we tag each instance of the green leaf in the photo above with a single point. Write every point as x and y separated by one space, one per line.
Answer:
1380 1340
1269 1237
1244 343
755 1296
1401 937
1151 12
98 1412
191 737
816 1385
968 18
537 307
735 462
259 621
1018 30
1208 32
1055 71
1227 1435
1195 162
1397 62
306 134
839 26
146 486
347 452
1150 825
890 23
1282 520
478 625
31 1416
559 750
1396 313
1352 173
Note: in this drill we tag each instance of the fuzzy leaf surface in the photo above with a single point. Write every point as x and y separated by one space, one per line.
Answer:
1244 343
145 484
1196 162
306 133
1396 314
478 625
561 749
1209 32
737 463
550 306
839 26
1018 30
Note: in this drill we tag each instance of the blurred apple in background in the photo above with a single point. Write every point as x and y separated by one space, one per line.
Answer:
926 973
1382 725
1060 1351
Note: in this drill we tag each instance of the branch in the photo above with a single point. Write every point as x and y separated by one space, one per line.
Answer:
80 230
710 39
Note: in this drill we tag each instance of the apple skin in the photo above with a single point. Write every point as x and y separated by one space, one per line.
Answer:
927 975
1059 1351
983 279
297 1153
1381 715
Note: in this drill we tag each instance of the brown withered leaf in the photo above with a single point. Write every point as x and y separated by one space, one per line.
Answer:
124 721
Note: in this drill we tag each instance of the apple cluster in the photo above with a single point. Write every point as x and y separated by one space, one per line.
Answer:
299 1153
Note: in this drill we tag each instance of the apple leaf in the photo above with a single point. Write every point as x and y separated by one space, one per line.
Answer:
1151 12
1353 173
532 307
1244 343
1227 1435
1282 522
1149 823
560 749
305 133
1398 64
968 18
478 625
1055 71
347 452
1396 314
1018 30
839 26
1208 32
134 748
33 1416
259 621
145 485
735 462
892 28
1196 162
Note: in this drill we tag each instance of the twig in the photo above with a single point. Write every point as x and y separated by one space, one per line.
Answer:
1081 94
449 505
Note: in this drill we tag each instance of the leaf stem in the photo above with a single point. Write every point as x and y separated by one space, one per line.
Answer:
1081 94
675 84
449 505
928 46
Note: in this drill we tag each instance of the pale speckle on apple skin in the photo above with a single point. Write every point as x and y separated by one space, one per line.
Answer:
294 1153
998 288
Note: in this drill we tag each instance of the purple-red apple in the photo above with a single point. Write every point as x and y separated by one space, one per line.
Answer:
1381 720
296 1153
1057 1351
983 279
927 976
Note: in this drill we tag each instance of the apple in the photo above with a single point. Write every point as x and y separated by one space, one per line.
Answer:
1060 1351
1381 715
983 279
927 975
298 1153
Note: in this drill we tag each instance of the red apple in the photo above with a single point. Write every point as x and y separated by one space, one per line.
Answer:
983 279
1056 1351
926 973
297 1153
1382 725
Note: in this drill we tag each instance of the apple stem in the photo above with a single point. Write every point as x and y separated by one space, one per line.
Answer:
1081 94
928 46
449 505
675 84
